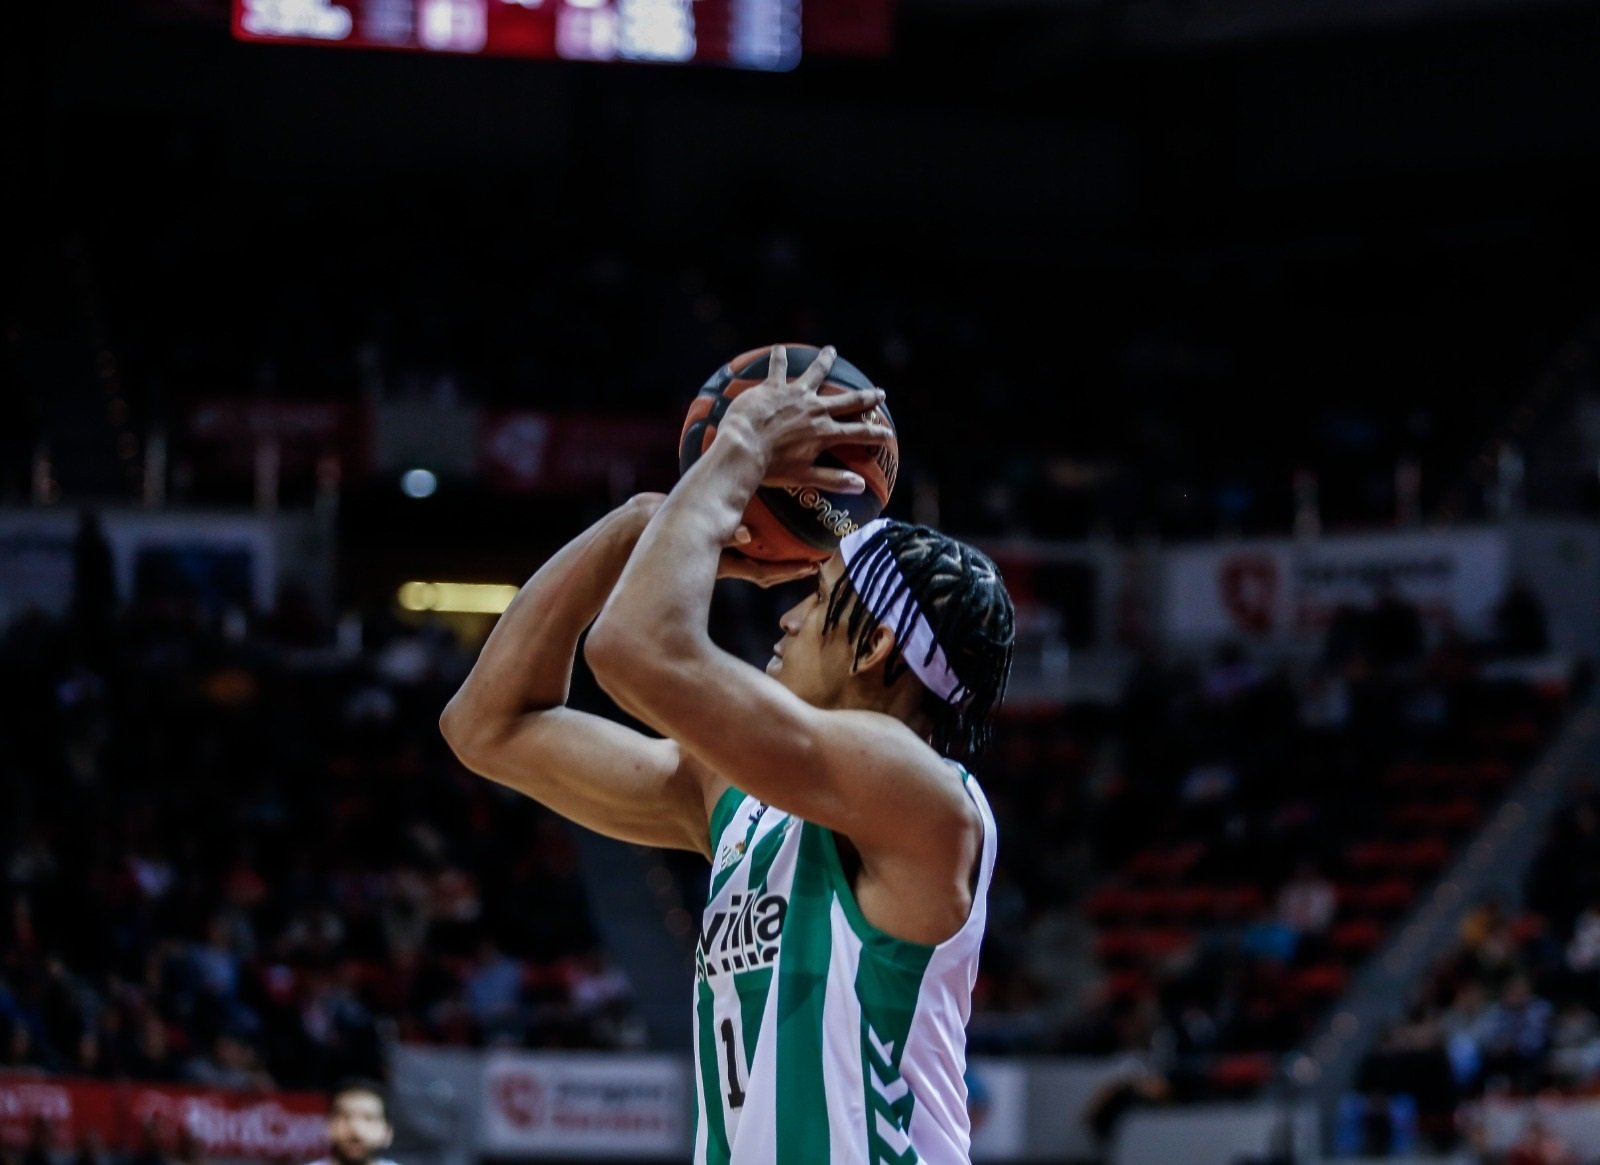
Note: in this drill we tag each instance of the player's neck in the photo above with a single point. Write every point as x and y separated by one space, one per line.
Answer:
902 699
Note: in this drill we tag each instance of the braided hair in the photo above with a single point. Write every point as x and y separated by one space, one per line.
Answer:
960 592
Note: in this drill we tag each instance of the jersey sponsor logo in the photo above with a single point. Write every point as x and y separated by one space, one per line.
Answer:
729 853
744 937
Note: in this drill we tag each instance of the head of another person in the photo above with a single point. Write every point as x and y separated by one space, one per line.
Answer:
933 608
358 1122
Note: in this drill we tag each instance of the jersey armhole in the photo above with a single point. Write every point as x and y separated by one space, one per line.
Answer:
887 946
902 950
722 814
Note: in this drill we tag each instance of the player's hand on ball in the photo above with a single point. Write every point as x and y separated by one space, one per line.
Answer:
762 572
795 423
795 440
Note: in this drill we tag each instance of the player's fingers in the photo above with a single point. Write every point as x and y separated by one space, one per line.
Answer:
762 573
800 570
778 365
817 371
741 536
861 433
735 565
841 480
857 400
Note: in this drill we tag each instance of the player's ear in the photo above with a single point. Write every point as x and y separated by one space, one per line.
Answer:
879 644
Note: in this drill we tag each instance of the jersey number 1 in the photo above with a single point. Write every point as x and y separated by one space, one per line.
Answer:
735 1093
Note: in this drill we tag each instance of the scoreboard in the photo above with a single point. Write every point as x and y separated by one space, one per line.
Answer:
749 34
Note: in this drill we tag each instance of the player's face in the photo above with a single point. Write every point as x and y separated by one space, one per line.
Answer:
810 661
357 1129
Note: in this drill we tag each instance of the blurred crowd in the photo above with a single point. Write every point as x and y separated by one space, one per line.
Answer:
1239 835
1513 1010
233 854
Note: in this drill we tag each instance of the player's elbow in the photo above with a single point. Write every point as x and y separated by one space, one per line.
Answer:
453 727
629 659
611 649
464 731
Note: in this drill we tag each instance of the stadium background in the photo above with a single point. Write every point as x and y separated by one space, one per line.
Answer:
1256 338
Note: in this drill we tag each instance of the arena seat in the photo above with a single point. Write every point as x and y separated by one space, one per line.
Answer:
1321 983
1382 900
1240 1074
1355 939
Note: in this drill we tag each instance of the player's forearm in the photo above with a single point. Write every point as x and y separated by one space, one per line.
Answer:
655 621
526 663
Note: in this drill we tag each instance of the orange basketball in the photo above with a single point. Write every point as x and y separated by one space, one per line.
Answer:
788 523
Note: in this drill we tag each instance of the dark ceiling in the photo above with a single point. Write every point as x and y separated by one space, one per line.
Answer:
1165 209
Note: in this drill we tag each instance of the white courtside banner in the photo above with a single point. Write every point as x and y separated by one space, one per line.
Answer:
997 1101
1218 1134
1285 589
1501 1123
571 1103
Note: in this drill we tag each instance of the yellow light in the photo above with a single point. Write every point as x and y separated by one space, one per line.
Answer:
456 597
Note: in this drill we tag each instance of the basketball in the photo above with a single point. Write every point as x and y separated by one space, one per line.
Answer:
790 523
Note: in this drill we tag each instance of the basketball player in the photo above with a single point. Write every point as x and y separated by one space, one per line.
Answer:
850 858
358 1125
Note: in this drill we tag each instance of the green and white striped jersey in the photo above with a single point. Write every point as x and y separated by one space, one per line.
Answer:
820 1040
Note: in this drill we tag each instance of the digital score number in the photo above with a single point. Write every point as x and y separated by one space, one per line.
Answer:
750 34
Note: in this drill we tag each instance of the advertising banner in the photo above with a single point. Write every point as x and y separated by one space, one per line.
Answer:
1286 589
505 1104
223 436
600 1105
525 451
123 1114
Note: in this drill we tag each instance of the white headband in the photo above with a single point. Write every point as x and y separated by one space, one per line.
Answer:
888 599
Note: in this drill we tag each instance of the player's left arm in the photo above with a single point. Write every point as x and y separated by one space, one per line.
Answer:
863 774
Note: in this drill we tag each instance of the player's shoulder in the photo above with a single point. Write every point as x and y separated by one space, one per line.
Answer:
898 743
921 769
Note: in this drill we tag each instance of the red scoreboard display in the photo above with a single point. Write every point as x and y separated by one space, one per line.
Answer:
749 34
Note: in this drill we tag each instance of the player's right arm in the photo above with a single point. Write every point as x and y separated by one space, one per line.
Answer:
509 721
